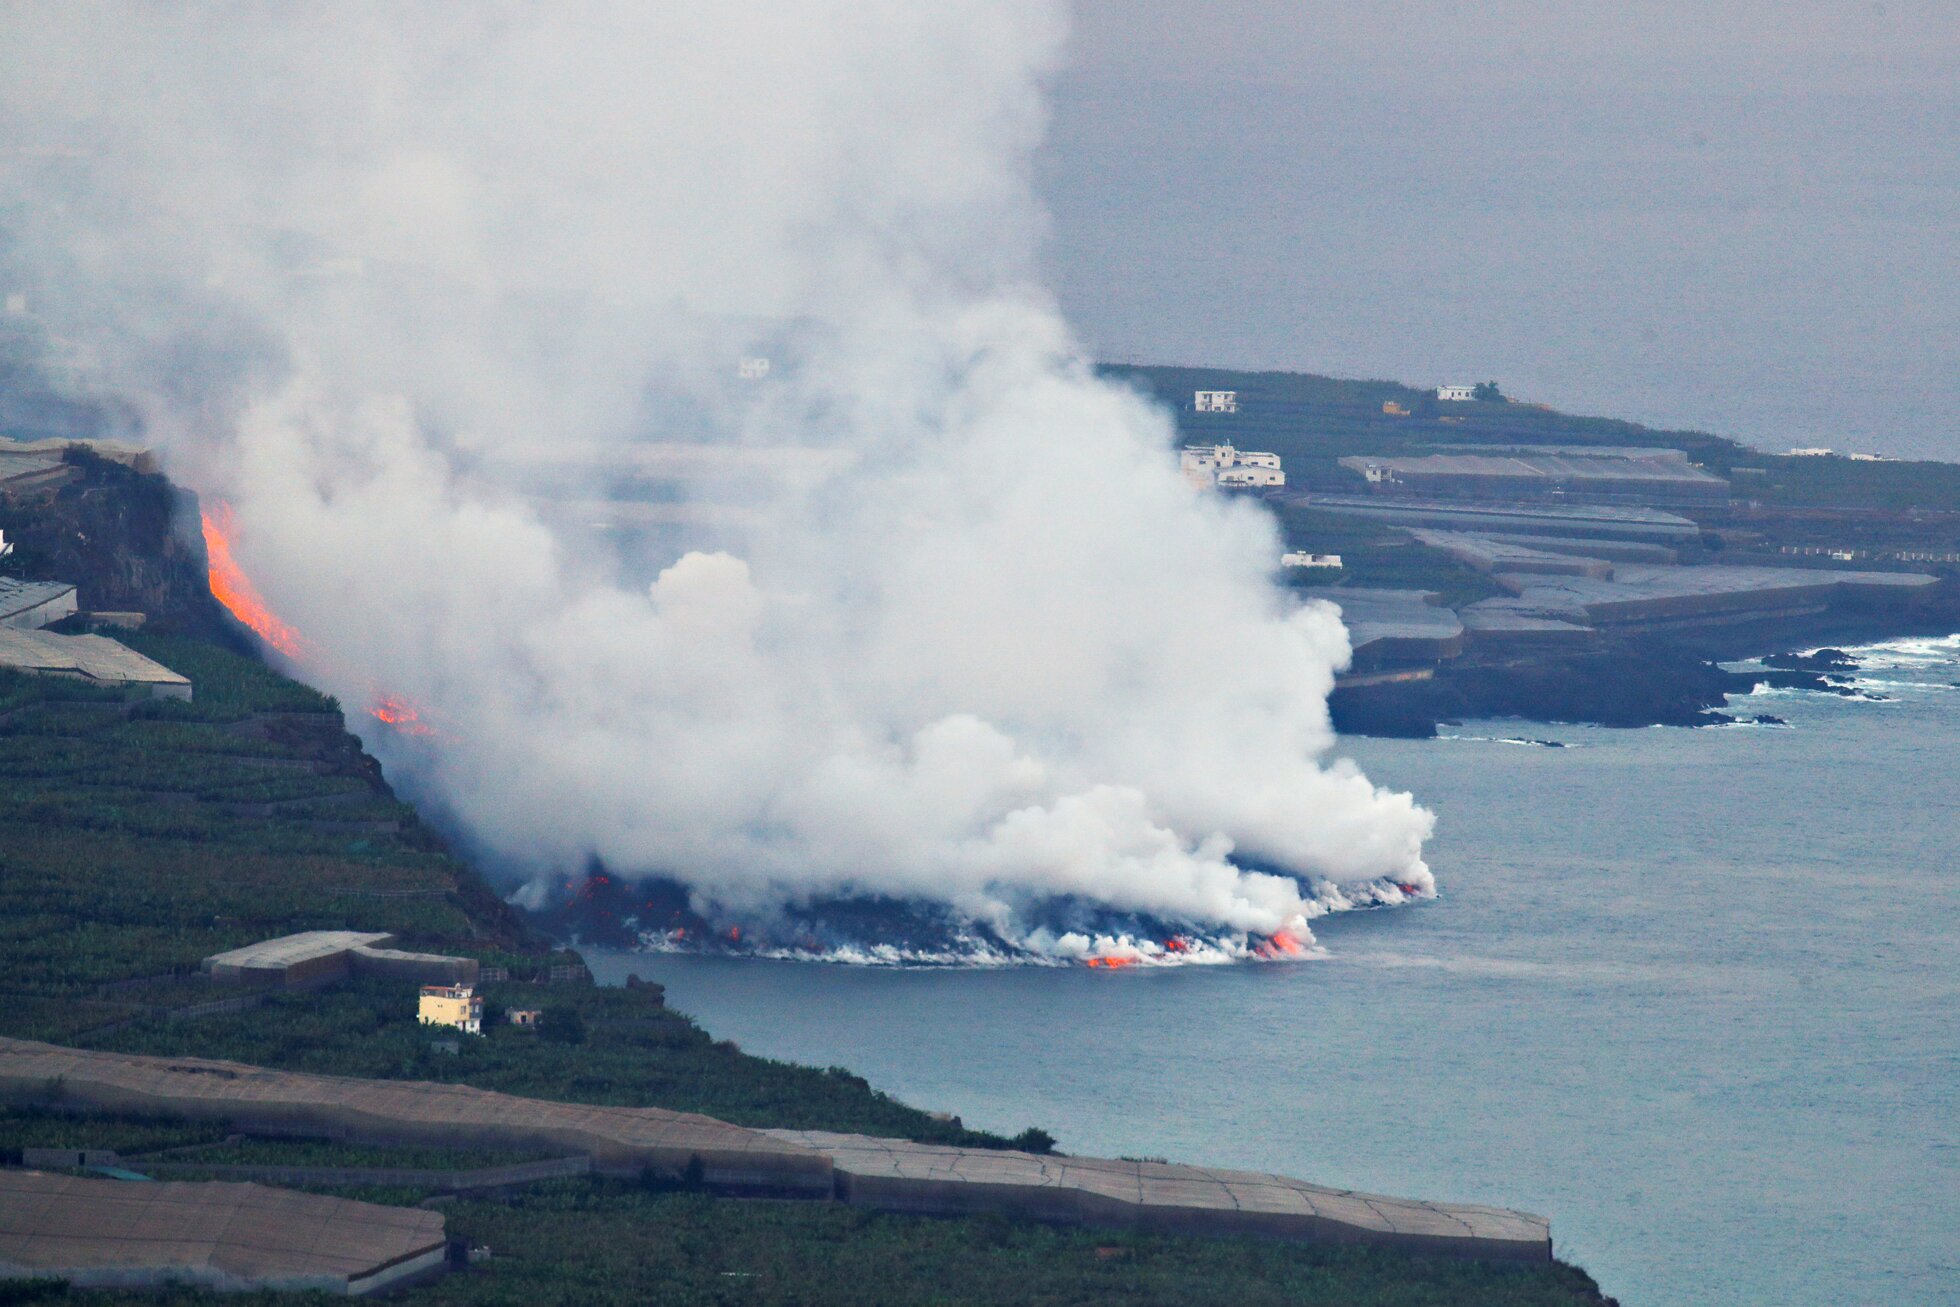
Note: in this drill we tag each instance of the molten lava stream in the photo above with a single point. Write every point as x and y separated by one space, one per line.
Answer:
1280 944
395 711
232 588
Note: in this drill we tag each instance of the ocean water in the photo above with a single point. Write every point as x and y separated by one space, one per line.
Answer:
1750 262
1694 994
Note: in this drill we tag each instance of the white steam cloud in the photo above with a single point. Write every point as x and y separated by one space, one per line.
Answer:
954 629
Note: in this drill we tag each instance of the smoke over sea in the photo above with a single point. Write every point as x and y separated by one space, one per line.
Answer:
926 616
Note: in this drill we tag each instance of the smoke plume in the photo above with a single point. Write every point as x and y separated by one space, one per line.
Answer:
422 292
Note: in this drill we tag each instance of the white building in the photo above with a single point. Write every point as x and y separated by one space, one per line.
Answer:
1456 394
93 658
1215 401
1205 466
1309 560
1815 451
752 367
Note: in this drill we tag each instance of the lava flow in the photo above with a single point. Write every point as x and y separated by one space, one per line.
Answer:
1280 944
395 711
232 588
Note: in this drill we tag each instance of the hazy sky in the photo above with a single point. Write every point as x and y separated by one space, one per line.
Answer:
1743 217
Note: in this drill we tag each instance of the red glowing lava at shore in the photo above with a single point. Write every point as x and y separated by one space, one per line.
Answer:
232 588
1282 944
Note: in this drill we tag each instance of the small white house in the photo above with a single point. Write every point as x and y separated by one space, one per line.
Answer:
1456 394
753 368
1303 559
1223 466
1215 401
1812 452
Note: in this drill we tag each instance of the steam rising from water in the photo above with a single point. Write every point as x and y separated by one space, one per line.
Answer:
958 632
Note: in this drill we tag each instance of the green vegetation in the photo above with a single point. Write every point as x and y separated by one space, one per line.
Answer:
615 1243
1814 482
1311 421
28 1127
605 1244
637 1052
135 841
155 1139
334 1153
138 837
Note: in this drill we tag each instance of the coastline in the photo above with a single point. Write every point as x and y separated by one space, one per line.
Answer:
1627 680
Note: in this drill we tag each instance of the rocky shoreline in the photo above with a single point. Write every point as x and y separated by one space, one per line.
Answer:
1629 681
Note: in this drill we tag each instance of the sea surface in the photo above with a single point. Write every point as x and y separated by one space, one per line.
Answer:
1695 994
1755 263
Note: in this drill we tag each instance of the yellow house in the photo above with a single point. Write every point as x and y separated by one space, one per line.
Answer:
459 1006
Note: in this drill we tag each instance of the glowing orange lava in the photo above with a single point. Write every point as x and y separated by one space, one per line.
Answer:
400 714
232 588
1112 963
1281 944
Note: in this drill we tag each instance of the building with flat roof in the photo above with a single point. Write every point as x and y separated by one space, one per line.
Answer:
1215 401
1568 521
321 957
1394 628
456 1006
1656 596
1650 476
1228 468
113 1234
31 605
1456 394
93 658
